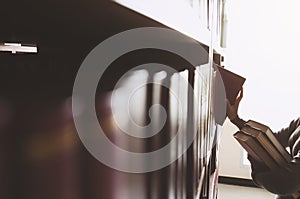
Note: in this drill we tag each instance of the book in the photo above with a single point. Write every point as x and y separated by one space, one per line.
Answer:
260 142
249 143
233 83
263 140
266 139
268 132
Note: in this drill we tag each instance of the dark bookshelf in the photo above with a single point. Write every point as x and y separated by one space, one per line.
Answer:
38 89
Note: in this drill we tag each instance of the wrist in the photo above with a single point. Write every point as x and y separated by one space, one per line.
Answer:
233 117
240 123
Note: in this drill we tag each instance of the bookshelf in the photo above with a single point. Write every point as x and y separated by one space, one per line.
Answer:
197 176
64 33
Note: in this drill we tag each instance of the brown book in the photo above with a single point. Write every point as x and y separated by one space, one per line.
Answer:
266 144
233 83
250 144
268 132
254 137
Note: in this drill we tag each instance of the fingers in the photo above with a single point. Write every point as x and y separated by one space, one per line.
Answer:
242 92
239 98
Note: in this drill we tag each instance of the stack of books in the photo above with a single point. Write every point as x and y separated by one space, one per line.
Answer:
260 142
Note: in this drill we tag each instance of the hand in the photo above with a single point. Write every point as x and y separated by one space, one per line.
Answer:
232 110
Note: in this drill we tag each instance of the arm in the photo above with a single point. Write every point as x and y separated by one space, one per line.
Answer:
286 180
280 181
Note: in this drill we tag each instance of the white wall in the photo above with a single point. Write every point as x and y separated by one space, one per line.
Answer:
231 154
262 45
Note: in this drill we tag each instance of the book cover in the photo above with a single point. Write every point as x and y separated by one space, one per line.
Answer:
255 149
266 144
233 83
259 141
268 132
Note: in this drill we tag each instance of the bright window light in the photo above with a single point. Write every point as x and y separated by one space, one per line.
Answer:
263 45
